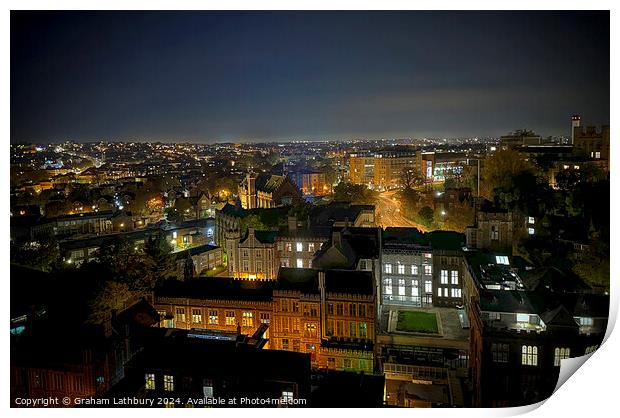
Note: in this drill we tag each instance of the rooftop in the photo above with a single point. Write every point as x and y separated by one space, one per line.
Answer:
217 288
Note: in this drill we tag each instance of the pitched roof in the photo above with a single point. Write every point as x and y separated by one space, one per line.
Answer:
336 212
300 280
217 288
269 182
201 249
349 281
553 279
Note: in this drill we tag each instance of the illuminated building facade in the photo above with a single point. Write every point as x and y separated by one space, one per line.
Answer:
382 171
216 303
267 191
252 256
329 314
519 336
296 246
437 166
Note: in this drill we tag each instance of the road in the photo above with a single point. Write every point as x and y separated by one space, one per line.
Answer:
389 213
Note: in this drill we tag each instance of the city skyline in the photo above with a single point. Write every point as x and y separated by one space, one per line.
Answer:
211 77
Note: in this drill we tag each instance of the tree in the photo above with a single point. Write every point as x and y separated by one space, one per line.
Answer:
593 266
354 193
188 267
425 216
411 178
43 253
110 296
172 215
158 251
252 221
410 199
499 169
459 218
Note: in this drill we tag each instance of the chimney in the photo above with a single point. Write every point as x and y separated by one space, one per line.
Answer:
575 123
292 223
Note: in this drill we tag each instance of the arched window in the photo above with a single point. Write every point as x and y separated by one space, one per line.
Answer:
529 355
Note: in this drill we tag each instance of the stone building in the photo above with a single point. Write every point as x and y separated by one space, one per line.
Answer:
296 246
492 230
382 171
267 191
518 337
252 256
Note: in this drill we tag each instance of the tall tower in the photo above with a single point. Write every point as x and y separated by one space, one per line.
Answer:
575 123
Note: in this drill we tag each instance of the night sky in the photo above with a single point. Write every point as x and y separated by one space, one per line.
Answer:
218 76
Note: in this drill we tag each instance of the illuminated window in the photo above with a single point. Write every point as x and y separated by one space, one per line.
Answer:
428 286
529 355
401 287
230 318
428 270
444 276
531 231
559 355
502 259
597 154
174 235
213 318
428 255
414 270
196 316
248 319
523 318
287 396
456 293
300 263
530 220
363 330
387 286
401 269
264 318
388 268
454 276
352 329
586 322
207 388
180 314
168 383
150 381
439 291
311 247
289 246
284 262
299 247
591 349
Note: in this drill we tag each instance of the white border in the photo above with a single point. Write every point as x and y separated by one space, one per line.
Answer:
590 392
